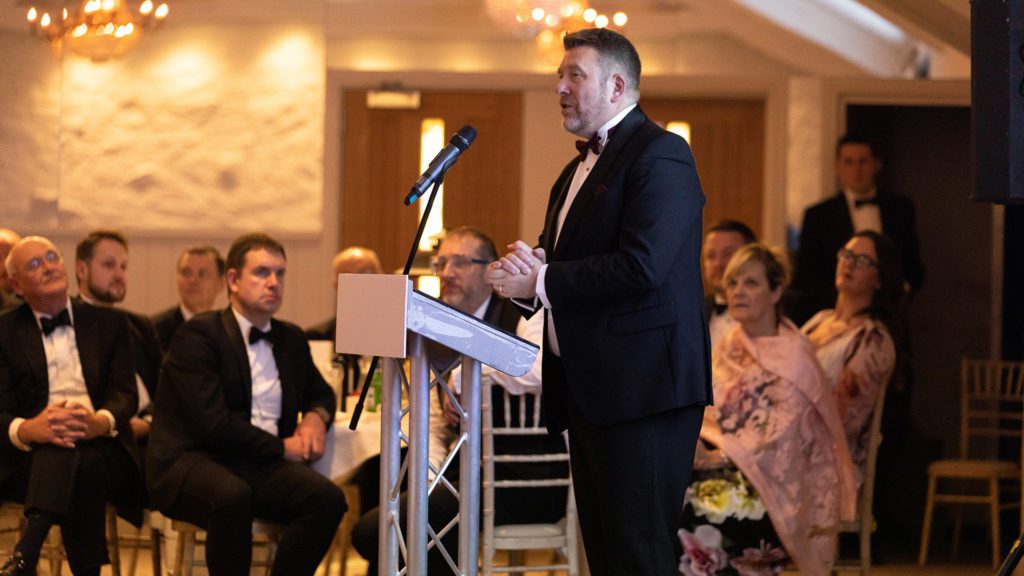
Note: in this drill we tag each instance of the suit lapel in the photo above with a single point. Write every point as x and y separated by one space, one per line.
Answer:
87 340
289 405
237 344
552 220
31 340
595 181
841 217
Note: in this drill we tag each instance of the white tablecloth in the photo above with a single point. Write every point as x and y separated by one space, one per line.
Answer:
345 449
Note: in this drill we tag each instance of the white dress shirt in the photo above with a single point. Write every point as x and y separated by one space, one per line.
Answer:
266 382
578 178
64 375
868 216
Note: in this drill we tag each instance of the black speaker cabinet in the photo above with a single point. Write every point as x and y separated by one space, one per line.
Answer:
997 100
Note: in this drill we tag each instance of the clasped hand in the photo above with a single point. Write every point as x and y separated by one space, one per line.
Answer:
307 444
515 274
63 425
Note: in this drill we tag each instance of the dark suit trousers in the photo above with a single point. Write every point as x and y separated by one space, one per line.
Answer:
74 485
225 497
630 479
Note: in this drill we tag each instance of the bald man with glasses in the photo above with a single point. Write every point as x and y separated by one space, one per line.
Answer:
67 394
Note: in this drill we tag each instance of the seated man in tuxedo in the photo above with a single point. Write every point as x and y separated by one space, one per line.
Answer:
8 300
351 260
226 445
461 263
101 268
200 274
67 392
723 239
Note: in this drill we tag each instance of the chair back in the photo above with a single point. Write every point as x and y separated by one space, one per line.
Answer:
991 404
519 416
866 494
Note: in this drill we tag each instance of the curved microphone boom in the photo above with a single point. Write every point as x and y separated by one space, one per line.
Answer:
444 159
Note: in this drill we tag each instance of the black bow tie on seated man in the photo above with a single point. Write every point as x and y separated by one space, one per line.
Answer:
51 324
862 202
255 335
719 309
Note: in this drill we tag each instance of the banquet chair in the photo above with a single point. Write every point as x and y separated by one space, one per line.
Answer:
265 535
864 523
991 404
517 538
343 536
138 540
53 549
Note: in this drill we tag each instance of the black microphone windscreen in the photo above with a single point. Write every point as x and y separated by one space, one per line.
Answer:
464 137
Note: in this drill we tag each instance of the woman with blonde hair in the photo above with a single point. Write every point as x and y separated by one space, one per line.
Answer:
773 444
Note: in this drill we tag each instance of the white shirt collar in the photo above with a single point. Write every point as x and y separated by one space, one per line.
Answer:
602 132
185 312
479 314
852 197
244 325
67 306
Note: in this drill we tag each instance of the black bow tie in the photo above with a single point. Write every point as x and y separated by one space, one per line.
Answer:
584 146
719 309
873 201
255 335
51 324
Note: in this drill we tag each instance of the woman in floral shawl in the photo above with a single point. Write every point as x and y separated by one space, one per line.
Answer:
852 341
773 443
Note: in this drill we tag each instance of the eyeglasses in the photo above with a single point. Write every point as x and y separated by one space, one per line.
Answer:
458 262
859 260
37 262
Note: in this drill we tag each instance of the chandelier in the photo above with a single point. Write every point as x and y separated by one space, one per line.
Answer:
96 29
547 21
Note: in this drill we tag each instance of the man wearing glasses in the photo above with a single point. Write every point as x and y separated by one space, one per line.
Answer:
461 263
67 393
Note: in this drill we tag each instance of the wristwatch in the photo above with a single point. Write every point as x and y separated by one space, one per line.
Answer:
323 414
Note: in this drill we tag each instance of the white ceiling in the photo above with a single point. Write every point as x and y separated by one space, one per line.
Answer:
807 36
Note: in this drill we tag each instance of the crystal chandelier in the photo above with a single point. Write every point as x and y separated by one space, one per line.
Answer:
547 21
96 29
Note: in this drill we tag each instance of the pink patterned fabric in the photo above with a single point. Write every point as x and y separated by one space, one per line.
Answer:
776 419
857 359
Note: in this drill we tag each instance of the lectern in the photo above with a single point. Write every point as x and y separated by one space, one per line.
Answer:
381 315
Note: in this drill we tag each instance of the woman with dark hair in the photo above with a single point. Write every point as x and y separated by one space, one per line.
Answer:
772 478
853 341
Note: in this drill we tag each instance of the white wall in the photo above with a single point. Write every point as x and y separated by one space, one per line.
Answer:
200 134
204 133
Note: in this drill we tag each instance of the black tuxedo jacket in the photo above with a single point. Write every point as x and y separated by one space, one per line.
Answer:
827 226
204 402
145 346
166 324
624 282
105 351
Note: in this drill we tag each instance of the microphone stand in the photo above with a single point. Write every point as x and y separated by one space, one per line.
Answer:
358 410
1013 558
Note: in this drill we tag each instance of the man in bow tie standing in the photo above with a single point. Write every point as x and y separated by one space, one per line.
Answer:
859 205
226 446
617 275
67 392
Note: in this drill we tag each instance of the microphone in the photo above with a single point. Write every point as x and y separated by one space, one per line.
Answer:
444 159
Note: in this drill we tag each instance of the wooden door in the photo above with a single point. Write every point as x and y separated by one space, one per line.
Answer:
728 141
381 162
